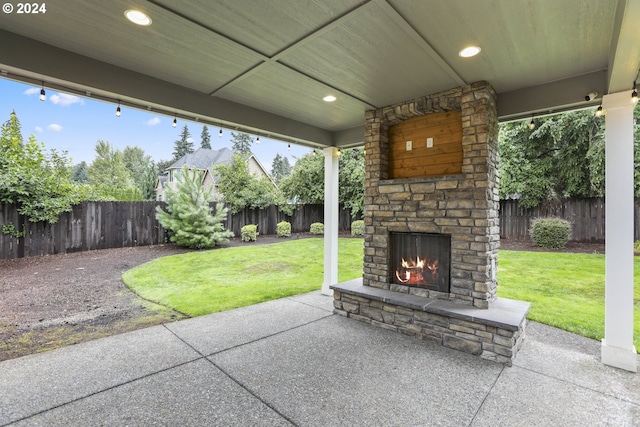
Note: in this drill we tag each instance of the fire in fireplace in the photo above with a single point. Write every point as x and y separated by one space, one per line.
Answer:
421 260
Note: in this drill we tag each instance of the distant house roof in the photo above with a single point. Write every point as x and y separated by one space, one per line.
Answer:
203 158
161 180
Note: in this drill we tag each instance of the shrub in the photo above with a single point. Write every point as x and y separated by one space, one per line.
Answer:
636 246
283 229
550 232
249 233
357 228
317 228
189 218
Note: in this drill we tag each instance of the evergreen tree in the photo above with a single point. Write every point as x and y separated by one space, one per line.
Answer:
189 217
241 143
163 165
280 168
79 172
148 184
184 145
205 138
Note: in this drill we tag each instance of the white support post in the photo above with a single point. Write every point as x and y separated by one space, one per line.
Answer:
330 219
617 345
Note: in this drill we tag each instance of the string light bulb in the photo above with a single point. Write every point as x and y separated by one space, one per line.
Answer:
289 147
532 125
634 94
43 95
118 111
599 111
220 133
175 121
257 140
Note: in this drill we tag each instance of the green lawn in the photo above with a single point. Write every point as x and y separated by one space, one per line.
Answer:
204 282
566 290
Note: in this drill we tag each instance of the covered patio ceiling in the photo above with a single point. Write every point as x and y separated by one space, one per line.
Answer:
263 67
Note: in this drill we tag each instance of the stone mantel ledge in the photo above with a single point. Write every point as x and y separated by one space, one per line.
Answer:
502 313
420 180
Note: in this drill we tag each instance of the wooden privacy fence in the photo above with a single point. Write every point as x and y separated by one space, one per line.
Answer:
89 225
585 214
268 218
103 225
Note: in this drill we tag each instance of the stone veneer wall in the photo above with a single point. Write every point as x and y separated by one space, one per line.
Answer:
496 335
464 206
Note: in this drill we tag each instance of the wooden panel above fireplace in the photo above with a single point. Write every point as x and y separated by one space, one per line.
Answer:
444 157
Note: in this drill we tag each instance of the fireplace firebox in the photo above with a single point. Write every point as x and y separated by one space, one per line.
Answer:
421 260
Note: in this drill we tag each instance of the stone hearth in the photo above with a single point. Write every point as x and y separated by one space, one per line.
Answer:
432 167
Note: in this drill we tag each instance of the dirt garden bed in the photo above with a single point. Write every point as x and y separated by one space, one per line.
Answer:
53 301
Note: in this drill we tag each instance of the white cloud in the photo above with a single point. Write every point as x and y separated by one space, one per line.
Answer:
39 129
54 127
152 122
65 100
31 91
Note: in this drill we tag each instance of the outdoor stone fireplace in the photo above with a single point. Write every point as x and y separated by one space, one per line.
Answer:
431 226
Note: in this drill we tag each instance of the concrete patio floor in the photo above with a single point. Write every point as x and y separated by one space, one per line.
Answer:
292 362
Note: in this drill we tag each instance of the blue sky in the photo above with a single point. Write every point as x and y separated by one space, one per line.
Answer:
75 124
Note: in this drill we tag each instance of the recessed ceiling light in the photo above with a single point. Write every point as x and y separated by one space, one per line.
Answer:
137 17
470 51
329 98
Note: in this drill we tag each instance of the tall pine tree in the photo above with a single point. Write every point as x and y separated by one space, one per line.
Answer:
184 145
241 143
280 168
205 138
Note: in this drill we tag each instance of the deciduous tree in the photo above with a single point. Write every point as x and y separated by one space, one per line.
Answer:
142 170
38 183
109 176
351 180
305 184
240 188
563 156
